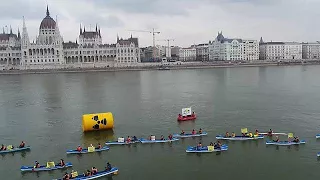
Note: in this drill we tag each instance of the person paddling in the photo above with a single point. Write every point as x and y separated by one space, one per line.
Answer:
79 148
94 170
170 136
227 134
199 146
22 144
270 132
193 132
296 139
277 139
162 138
233 134
88 173
211 144
37 165
61 163
66 176
182 132
218 145
128 139
99 146
200 131
109 167
3 148
135 138
256 133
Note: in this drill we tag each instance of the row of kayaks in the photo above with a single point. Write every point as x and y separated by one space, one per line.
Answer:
145 141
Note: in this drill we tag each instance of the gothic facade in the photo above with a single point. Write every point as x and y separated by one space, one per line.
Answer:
50 51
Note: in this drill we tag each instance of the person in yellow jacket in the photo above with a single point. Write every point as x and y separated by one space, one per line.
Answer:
250 134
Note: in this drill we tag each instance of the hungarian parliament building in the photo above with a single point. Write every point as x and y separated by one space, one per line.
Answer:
49 51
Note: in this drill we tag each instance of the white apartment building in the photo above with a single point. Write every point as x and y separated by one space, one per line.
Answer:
233 49
311 50
187 54
280 50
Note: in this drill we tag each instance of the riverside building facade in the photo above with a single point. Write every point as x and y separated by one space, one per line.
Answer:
49 51
226 49
280 51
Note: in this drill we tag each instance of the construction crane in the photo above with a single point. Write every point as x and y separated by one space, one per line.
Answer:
168 40
153 32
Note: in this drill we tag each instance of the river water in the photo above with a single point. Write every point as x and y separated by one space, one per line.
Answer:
45 111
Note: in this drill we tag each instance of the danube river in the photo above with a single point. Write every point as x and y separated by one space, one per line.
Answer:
45 110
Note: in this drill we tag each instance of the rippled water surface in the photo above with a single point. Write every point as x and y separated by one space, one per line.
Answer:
45 111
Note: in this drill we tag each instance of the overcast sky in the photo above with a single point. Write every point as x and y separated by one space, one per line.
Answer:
186 21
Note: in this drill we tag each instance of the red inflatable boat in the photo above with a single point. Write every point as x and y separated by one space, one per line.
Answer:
187 118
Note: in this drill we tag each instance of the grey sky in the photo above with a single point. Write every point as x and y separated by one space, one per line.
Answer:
186 21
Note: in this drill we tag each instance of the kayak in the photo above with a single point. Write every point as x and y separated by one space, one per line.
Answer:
206 149
239 138
318 136
267 134
142 140
120 143
186 135
187 118
85 151
99 174
15 150
44 168
285 143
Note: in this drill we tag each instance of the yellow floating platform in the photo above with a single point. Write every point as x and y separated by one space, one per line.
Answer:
96 122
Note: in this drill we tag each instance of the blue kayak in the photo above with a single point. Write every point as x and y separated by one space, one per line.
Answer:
120 143
186 135
318 136
206 149
142 140
239 138
15 150
285 143
99 174
44 168
85 151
